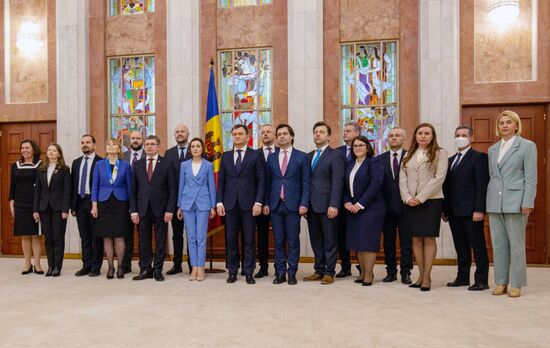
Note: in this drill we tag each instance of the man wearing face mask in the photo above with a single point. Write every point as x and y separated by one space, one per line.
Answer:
465 190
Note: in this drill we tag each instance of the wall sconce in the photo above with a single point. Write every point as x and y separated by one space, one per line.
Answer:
28 38
503 11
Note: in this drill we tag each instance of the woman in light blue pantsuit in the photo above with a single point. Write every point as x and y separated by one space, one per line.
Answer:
510 199
197 203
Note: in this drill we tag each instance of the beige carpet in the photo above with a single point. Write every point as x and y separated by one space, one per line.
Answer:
96 312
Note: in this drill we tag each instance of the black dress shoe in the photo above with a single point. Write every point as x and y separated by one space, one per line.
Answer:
292 280
94 273
390 278
82 272
56 272
261 273
358 281
174 270
456 283
478 287
242 272
279 279
27 271
158 276
250 279
49 272
232 278
343 273
406 279
143 275
366 283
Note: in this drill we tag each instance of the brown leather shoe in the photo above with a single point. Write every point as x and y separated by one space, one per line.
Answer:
313 278
327 280
514 292
500 290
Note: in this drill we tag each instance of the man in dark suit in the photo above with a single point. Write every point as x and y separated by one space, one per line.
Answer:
239 199
351 131
152 203
267 134
131 156
393 222
327 182
287 198
176 155
82 170
465 190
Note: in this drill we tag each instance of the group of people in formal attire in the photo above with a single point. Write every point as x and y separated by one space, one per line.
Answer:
349 196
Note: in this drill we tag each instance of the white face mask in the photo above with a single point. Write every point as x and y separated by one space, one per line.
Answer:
461 142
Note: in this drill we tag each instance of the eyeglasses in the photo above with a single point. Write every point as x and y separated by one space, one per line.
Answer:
358 146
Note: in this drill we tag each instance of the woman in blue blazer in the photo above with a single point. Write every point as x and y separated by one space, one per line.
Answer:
197 203
365 207
510 199
111 187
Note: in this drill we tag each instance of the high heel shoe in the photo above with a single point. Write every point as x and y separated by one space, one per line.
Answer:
110 273
38 271
366 283
193 275
425 288
414 285
120 273
358 281
200 274
27 271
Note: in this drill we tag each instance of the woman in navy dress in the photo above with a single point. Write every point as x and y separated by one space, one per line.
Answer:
111 187
364 206
21 197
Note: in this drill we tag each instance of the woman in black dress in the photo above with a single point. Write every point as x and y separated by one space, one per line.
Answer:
111 187
52 201
21 196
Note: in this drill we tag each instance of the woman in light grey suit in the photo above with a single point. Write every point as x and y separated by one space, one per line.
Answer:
510 199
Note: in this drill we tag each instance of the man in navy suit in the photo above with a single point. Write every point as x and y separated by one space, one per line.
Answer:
153 203
351 131
465 190
393 222
176 155
327 182
81 205
287 198
267 134
239 199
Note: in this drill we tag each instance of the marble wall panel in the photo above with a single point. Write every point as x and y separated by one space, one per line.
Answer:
248 26
127 35
369 19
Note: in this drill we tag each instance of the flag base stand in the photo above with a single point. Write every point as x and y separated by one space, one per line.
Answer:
211 257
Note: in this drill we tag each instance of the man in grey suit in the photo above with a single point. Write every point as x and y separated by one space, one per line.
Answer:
327 182
131 156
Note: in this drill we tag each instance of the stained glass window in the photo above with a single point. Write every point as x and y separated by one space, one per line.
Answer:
131 96
237 3
368 89
130 7
245 80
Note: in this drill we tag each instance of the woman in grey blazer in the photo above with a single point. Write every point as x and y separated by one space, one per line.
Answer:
510 199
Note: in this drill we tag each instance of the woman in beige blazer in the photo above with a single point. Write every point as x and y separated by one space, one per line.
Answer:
420 182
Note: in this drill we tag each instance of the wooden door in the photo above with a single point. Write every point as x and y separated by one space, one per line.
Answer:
11 136
482 120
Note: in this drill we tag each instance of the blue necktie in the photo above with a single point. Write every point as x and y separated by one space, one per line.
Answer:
315 160
84 177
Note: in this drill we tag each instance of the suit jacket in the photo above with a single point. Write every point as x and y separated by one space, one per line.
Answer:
245 187
57 194
343 150
126 156
172 155
102 187
465 187
422 180
199 189
296 181
160 193
327 180
75 172
390 187
513 181
367 184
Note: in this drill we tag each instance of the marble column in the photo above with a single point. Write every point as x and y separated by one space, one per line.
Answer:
439 82
305 78
72 89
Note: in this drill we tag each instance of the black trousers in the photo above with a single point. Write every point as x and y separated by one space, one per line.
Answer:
147 261
469 234
54 227
92 246
262 225
177 238
129 246
393 224
343 251
240 220
323 234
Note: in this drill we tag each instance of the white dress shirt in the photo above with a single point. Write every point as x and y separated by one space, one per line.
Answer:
399 154
266 151
282 155
196 167
155 158
88 174
138 157
236 154
51 168
456 160
505 147
354 170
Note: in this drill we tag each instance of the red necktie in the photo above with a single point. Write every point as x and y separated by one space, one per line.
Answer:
150 170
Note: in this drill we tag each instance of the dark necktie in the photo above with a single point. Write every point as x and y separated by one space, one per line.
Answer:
134 159
150 170
457 161
348 152
84 177
395 166
182 153
239 161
